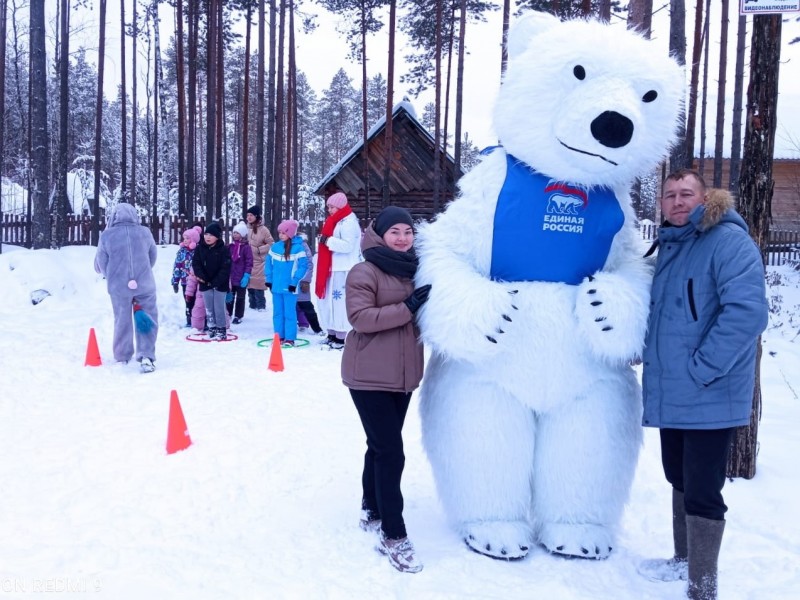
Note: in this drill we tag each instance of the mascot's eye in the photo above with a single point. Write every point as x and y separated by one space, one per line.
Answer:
579 72
650 96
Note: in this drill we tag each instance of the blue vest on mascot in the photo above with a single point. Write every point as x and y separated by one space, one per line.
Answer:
545 230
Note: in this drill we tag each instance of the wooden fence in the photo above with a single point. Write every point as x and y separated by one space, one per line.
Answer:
16 229
783 245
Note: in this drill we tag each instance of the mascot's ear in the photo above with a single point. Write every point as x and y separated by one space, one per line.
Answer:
527 26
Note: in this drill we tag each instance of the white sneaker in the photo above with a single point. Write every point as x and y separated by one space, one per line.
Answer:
147 366
664 569
400 554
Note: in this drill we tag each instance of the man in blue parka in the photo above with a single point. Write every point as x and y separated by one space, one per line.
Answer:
708 307
125 256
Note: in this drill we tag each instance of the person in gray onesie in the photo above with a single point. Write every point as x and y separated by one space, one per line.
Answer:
125 256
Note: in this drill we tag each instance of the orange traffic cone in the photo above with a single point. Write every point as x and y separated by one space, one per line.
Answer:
276 356
177 432
92 353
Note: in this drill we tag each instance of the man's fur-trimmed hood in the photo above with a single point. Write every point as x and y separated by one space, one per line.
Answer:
718 202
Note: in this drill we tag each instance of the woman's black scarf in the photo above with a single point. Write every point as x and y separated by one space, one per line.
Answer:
392 262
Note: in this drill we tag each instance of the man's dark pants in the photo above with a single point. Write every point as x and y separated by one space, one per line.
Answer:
694 463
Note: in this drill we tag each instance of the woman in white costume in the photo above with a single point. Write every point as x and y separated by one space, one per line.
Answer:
339 251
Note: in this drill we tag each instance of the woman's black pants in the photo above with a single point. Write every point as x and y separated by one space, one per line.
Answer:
382 415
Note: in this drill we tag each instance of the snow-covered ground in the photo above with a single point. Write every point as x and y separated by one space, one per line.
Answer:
265 502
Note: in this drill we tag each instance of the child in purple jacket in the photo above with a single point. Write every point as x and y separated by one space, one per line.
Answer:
241 267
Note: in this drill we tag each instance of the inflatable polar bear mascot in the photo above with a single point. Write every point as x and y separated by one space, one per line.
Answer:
530 409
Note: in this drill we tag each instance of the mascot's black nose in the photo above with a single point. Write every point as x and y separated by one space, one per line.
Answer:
612 129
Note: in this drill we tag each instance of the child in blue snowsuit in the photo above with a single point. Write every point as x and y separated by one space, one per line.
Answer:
284 268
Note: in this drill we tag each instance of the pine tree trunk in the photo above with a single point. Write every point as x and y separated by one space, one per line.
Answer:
738 92
640 16
755 194
192 17
134 107
123 163
691 115
180 78
269 155
677 49
291 112
161 175
701 159
220 182
437 106
277 164
504 43
23 109
448 79
155 142
61 206
387 165
211 109
39 136
245 116
723 67
3 12
260 106
364 120
639 19
94 232
462 31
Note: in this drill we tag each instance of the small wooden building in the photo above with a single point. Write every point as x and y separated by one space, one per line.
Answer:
360 174
785 192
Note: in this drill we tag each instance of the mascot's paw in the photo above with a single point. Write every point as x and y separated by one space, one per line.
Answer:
502 319
469 324
504 540
579 540
612 313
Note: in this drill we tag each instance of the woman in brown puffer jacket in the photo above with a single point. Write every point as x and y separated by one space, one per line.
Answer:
382 364
260 241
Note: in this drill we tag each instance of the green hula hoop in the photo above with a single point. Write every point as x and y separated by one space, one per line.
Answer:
298 343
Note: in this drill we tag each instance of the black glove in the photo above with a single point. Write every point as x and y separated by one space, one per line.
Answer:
292 289
323 239
417 298
269 285
175 287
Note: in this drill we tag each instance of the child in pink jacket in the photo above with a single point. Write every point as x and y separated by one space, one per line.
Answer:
199 307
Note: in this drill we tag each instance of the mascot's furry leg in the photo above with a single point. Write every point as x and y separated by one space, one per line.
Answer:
586 453
483 478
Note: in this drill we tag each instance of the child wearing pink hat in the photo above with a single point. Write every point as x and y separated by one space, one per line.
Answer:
183 263
285 266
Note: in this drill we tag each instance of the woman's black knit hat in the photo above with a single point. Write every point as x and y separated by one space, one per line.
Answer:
391 215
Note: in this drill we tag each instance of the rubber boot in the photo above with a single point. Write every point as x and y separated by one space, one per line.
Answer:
704 538
675 568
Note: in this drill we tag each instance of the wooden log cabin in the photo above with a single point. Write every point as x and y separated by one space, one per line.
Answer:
785 191
360 174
